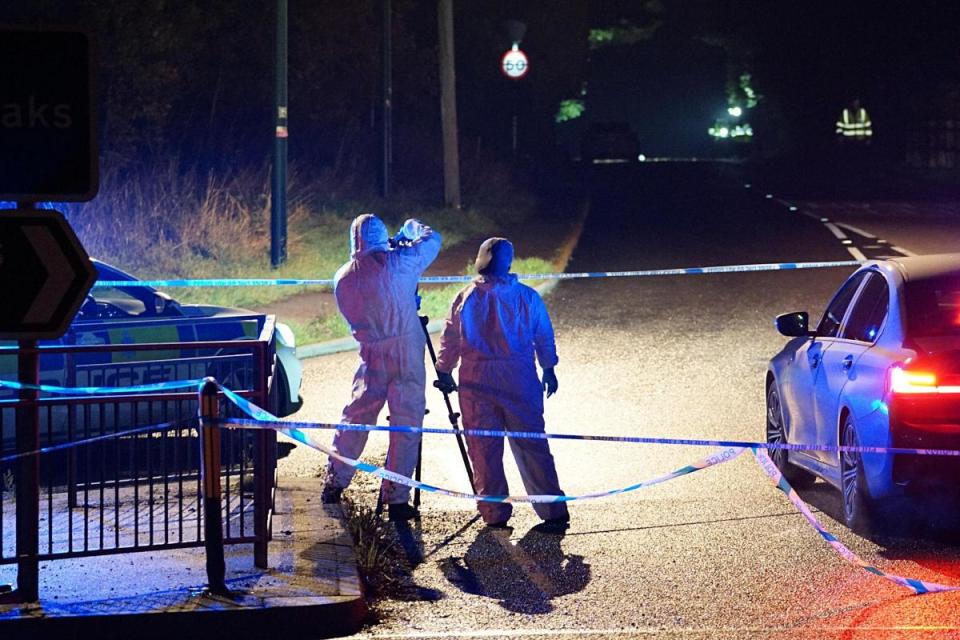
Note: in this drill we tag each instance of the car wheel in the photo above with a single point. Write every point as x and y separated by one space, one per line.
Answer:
281 401
777 434
857 505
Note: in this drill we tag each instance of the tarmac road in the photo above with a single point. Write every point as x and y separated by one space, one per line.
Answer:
716 554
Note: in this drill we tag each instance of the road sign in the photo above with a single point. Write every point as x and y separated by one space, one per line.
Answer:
45 275
47 137
514 63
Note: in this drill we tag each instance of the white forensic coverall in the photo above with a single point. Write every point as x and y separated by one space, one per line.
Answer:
496 326
376 294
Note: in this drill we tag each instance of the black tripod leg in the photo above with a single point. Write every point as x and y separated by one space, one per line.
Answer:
424 320
416 491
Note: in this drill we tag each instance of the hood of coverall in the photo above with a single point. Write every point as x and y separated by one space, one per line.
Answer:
495 257
367 233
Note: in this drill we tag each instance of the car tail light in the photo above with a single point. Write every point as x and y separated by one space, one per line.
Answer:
904 381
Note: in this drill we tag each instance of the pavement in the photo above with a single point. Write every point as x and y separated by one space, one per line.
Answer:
311 584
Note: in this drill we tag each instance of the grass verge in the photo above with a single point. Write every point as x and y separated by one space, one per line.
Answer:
168 221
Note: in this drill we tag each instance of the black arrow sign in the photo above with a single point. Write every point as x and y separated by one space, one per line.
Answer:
45 275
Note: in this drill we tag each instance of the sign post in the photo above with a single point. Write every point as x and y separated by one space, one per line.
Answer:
45 274
47 152
514 64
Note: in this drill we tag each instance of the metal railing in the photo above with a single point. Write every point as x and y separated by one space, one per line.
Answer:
138 491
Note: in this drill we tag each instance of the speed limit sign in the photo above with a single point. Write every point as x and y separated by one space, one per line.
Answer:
514 63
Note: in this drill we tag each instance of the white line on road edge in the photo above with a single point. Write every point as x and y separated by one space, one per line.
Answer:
903 251
856 230
857 254
633 631
835 230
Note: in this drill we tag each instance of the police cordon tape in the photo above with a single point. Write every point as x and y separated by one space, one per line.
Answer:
268 420
257 423
725 455
681 271
917 586
261 418
190 423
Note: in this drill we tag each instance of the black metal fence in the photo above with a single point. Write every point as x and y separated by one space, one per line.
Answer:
141 490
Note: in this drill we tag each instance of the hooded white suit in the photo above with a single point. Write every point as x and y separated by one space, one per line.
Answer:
495 328
376 294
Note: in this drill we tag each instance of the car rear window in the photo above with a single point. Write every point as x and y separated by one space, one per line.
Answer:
933 306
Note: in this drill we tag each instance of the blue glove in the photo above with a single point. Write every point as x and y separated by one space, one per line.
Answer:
550 383
445 382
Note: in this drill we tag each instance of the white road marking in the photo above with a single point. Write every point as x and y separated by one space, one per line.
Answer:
903 251
835 230
856 230
634 631
857 254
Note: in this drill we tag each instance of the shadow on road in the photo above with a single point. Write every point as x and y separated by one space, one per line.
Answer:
409 537
524 576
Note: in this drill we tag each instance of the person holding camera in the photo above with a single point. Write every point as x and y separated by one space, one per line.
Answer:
376 292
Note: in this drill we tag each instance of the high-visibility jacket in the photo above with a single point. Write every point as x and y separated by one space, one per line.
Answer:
855 123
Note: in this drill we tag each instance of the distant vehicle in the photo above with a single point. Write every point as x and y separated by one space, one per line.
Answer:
131 315
609 143
881 369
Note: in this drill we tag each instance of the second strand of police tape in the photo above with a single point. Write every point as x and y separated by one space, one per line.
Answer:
724 455
264 419
640 273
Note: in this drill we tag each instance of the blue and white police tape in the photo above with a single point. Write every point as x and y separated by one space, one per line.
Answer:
769 468
260 417
725 455
302 436
190 423
681 271
102 391
265 422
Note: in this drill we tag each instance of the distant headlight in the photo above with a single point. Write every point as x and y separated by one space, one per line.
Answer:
285 336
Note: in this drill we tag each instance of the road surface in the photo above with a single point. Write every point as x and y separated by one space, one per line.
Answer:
719 553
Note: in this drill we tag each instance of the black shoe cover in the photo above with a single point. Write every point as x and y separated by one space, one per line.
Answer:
402 511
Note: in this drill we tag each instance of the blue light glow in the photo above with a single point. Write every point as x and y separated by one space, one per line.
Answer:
56 206
881 406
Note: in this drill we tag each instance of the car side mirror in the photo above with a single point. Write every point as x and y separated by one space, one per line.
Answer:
162 303
794 324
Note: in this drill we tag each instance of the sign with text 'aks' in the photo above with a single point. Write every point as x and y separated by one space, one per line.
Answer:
45 275
47 133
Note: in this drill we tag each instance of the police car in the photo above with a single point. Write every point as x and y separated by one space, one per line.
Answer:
881 369
141 314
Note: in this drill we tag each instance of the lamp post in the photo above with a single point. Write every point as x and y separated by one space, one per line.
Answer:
278 183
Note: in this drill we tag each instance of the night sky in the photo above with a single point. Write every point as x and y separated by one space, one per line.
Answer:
195 79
